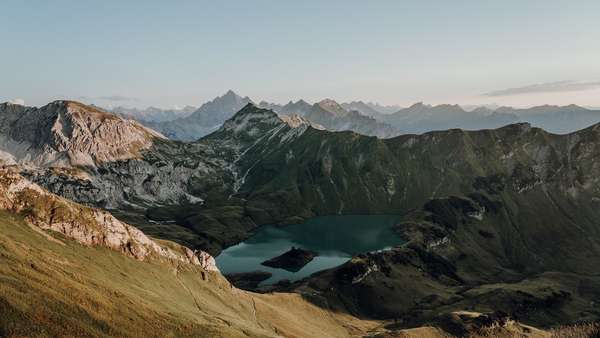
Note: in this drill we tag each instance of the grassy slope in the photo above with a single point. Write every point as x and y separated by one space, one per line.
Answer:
58 287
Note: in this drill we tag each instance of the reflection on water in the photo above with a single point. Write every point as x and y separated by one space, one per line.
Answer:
335 238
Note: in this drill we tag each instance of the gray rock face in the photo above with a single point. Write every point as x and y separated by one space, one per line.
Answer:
66 133
99 159
127 165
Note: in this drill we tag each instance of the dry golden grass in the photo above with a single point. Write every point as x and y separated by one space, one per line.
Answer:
577 331
53 289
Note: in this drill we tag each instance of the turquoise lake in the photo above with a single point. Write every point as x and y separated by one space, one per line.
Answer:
334 238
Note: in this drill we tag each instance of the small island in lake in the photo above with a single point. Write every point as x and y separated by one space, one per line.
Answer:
292 260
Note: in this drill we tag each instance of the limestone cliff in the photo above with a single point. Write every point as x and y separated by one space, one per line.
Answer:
87 225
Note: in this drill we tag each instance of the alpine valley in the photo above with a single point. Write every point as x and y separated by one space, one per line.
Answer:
109 225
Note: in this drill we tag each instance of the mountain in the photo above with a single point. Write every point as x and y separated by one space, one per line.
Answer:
97 158
65 133
204 120
153 114
384 109
363 108
499 222
137 285
70 270
496 219
556 119
334 117
471 107
420 118
88 226
299 107
332 107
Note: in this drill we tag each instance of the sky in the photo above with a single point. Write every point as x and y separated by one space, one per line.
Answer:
176 53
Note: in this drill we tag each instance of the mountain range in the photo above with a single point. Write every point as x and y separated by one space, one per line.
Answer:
369 119
499 223
213 114
153 114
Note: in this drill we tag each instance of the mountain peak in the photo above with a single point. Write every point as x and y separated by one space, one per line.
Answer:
249 117
332 107
70 133
575 107
230 93
419 105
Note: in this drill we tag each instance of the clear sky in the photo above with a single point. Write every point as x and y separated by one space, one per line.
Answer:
173 53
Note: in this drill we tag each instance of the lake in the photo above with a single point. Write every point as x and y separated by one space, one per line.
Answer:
334 238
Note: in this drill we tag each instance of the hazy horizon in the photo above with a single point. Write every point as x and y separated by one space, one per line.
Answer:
513 53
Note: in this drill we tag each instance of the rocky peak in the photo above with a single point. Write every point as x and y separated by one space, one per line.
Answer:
297 121
419 105
218 110
69 133
231 98
252 127
251 120
332 106
482 110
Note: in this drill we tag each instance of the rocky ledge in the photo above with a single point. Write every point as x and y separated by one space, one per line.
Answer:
88 226
248 280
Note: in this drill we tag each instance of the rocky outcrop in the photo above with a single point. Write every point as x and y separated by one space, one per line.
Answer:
67 133
97 158
86 225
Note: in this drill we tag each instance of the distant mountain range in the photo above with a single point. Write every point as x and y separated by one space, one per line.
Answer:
211 115
369 119
370 109
332 116
153 114
421 118
555 119
206 119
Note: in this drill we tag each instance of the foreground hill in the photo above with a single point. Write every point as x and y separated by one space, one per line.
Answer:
66 272
70 270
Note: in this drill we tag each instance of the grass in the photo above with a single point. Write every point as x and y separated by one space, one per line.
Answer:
62 288
585 330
